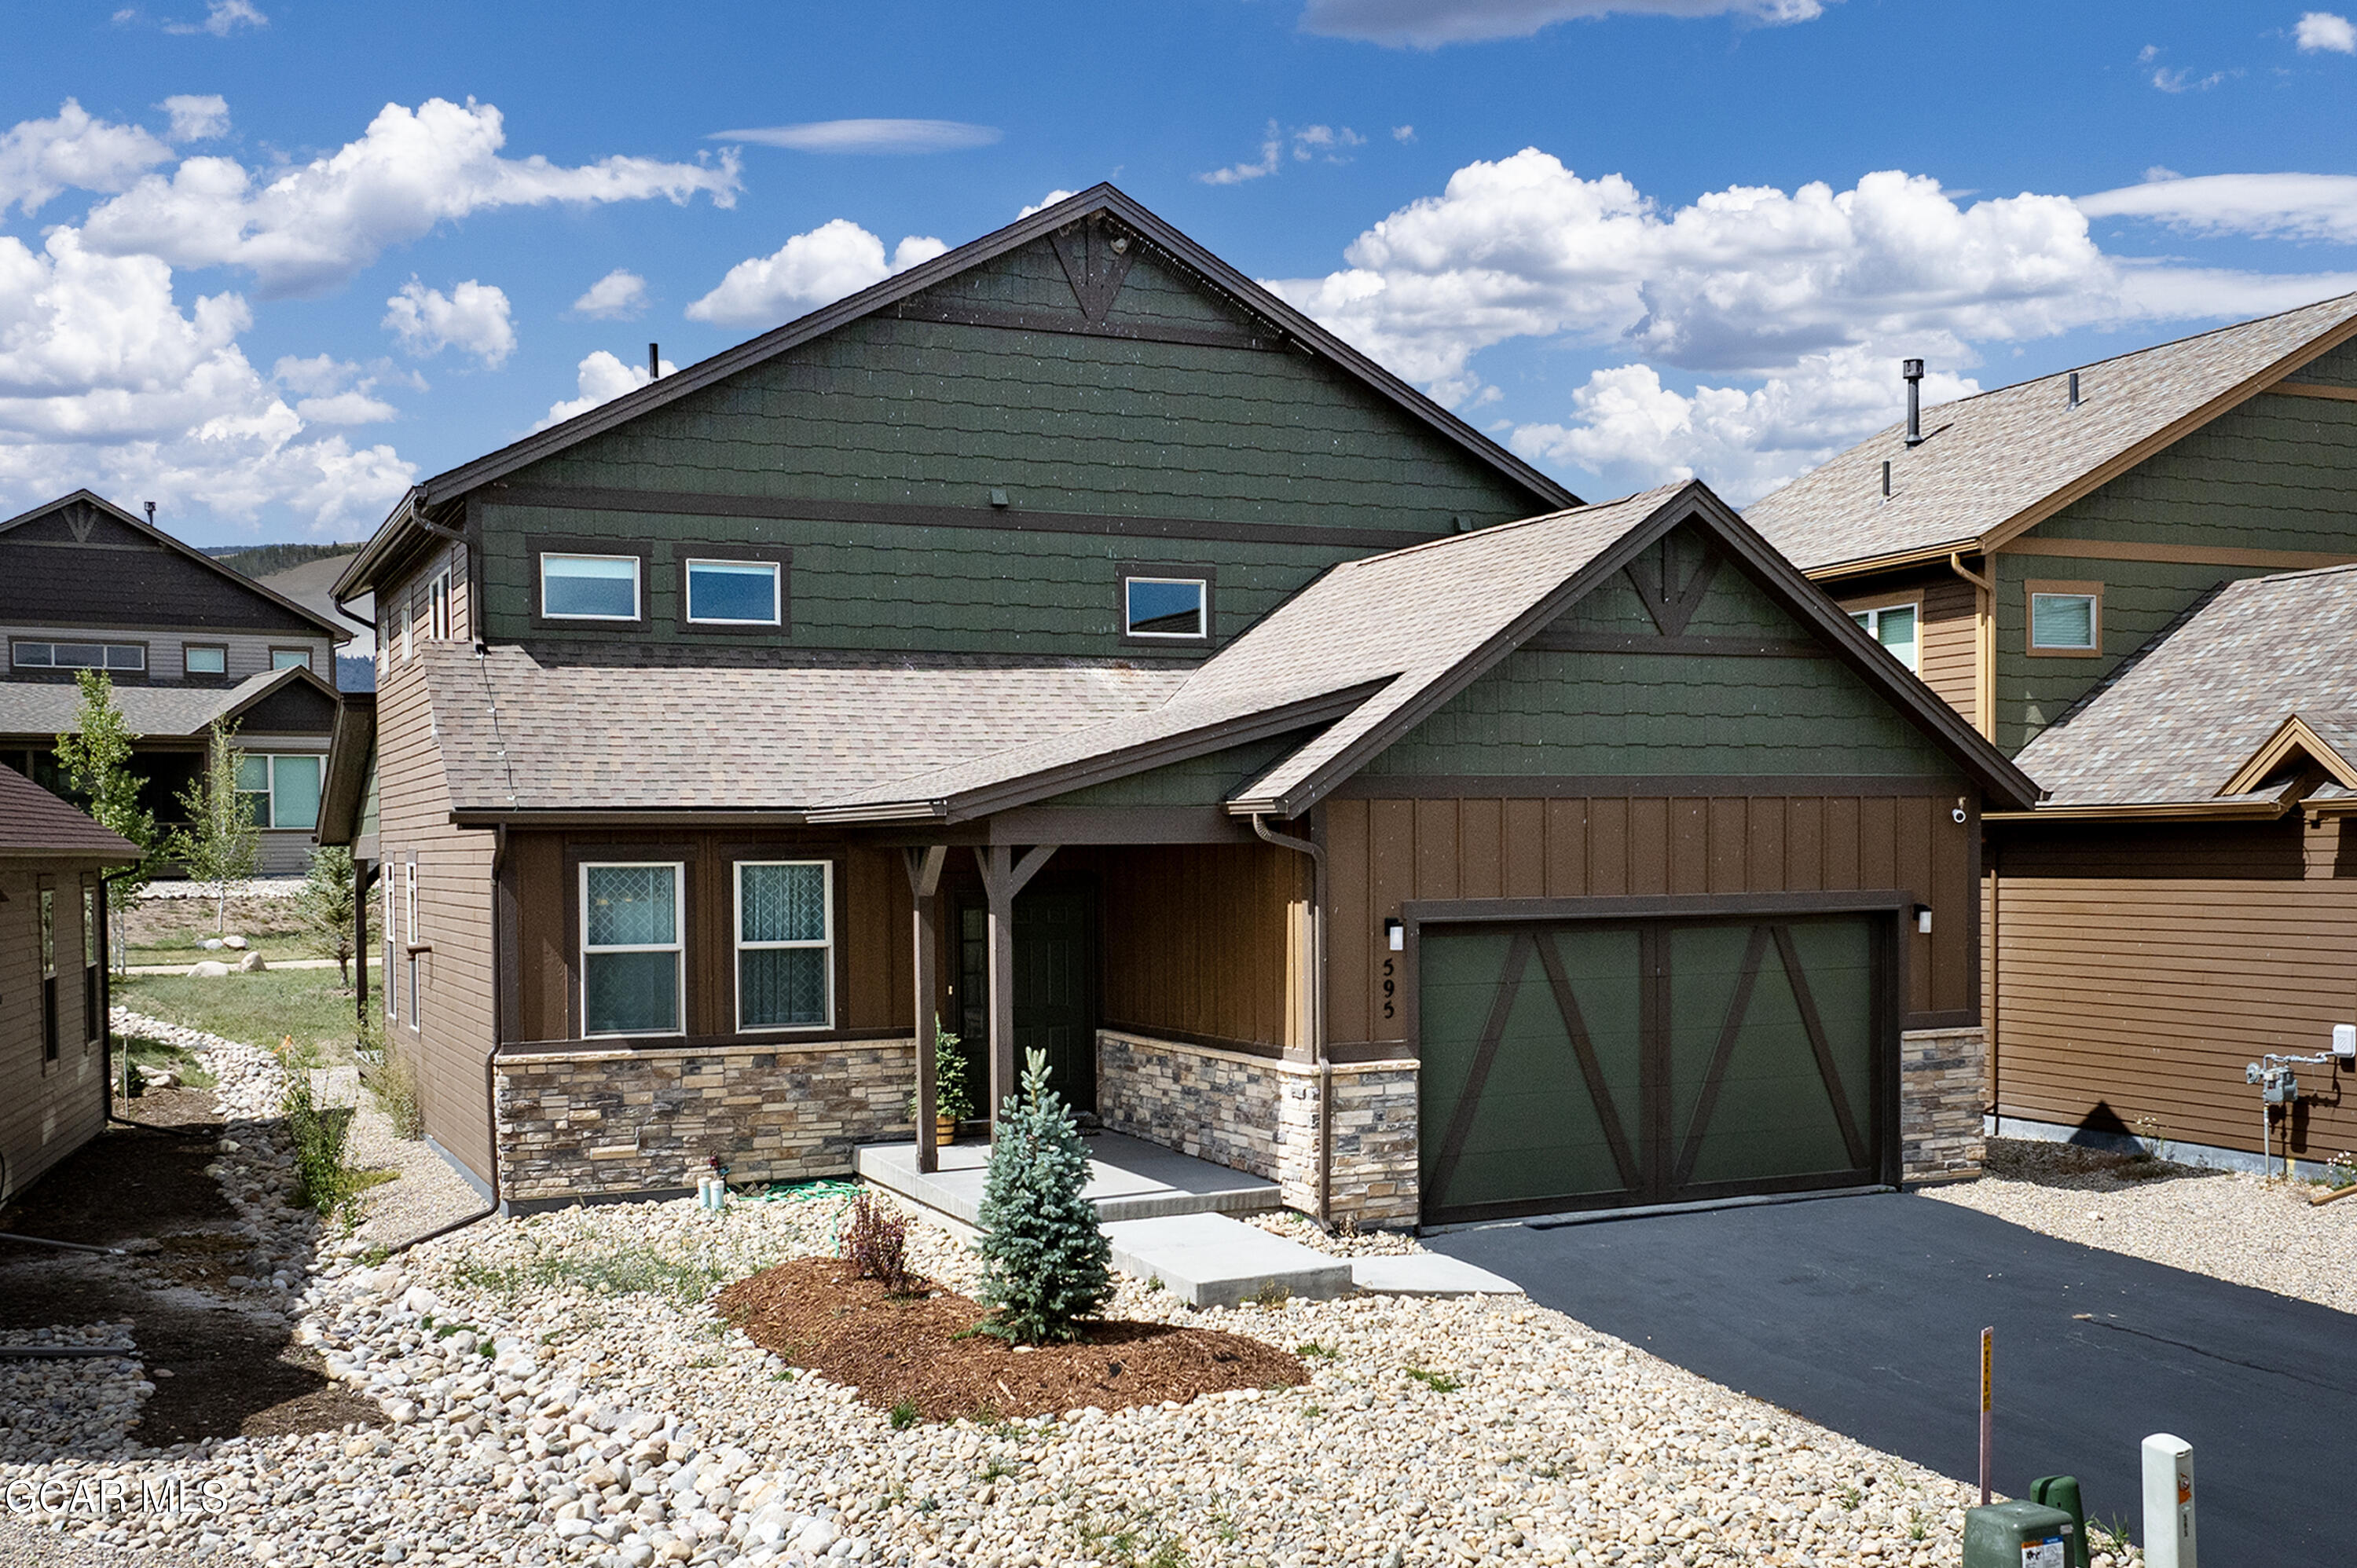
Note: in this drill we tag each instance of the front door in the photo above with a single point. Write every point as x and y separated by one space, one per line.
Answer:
1586 1064
1055 990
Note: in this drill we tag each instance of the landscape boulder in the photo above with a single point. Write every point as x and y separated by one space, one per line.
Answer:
208 969
250 963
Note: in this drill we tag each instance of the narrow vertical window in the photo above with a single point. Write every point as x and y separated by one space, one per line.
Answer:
630 949
94 1023
390 943
438 606
785 930
409 932
49 975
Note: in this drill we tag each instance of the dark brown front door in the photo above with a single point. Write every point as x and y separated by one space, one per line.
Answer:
1055 990
1578 1065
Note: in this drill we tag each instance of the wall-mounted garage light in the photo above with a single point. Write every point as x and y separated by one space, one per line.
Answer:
1923 919
1395 935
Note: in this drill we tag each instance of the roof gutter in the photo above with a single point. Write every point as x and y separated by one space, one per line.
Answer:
2152 810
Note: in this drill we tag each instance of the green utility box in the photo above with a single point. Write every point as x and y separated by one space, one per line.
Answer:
2017 1535
2063 1492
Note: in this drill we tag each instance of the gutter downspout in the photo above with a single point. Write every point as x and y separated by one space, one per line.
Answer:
1984 644
490 1075
1316 1008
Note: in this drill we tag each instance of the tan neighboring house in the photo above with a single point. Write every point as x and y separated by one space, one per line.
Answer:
2093 567
53 1056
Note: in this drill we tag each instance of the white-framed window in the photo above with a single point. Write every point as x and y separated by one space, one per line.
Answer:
93 1011
1172 609
588 588
785 944
406 609
631 953
409 928
204 658
131 657
290 659
1897 628
280 792
49 975
390 943
438 606
733 593
2065 619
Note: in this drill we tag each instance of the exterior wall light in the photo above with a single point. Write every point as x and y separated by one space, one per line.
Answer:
1395 934
1923 919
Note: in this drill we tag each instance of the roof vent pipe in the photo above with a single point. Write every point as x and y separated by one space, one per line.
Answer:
654 362
2074 390
1886 478
1913 371
150 513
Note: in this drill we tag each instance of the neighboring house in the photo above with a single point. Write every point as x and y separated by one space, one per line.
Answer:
311 584
1067 640
53 1064
2036 543
85 585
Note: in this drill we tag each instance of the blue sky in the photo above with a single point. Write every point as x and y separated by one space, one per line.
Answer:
267 263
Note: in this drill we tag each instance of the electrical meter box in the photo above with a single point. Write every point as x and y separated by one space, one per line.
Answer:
2018 1535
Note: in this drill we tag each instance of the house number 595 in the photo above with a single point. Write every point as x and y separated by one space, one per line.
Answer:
1390 986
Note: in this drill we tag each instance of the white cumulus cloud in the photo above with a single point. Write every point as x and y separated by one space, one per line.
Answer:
40 159
599 377
1331 144
473 316
197 116
834 259
1429 23
1045 202
305 228
2323 32
106 380
617 297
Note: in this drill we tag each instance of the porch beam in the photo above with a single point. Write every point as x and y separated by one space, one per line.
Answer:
1004 876
924 866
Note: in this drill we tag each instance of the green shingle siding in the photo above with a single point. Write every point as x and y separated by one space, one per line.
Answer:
2336 368
1543 712
2140 597
1554 714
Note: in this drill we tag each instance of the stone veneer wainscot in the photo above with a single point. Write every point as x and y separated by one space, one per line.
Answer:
1940 1104
609 1121
1260 1114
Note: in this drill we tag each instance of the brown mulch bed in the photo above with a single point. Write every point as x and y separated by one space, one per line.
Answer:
895 1350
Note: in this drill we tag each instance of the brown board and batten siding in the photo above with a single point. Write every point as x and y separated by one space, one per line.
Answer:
2136 971
453 1031
1201 944
1386 852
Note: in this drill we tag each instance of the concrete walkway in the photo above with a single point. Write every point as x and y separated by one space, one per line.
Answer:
1129 1180
1865 1314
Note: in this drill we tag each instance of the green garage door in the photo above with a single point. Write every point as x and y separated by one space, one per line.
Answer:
1583 1065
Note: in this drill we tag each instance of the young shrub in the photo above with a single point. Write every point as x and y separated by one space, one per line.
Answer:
876 1243
1045 1262
323 1179
323 907
96 757
393 1081
220 844
951 1096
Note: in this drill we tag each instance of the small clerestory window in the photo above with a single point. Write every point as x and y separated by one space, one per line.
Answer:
1169 608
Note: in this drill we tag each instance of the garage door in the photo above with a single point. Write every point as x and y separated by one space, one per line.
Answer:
1580 1064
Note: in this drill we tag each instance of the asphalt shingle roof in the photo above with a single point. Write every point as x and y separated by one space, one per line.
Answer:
2178 721
1993 456
174 713
34 822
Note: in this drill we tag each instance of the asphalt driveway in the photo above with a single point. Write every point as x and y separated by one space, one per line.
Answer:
1863 1315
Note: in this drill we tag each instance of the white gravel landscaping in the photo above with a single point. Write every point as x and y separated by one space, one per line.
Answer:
2224 1224
555 1392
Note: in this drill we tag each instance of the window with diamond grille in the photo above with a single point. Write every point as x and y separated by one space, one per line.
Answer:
785 933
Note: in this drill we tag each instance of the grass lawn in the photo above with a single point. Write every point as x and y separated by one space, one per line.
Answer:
259 1009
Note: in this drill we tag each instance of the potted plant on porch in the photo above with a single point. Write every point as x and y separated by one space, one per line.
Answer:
951 1101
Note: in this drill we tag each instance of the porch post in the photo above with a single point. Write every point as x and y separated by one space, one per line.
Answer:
1003 877
924 884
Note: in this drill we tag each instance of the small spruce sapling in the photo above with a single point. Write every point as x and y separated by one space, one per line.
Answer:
1045 1260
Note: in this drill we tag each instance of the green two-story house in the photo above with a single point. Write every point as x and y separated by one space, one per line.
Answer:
2059 560
1067 643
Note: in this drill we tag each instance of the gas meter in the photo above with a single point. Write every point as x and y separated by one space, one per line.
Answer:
2278 1085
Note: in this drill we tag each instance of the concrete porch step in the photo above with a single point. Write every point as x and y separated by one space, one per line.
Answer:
1210 1260
1129 1180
